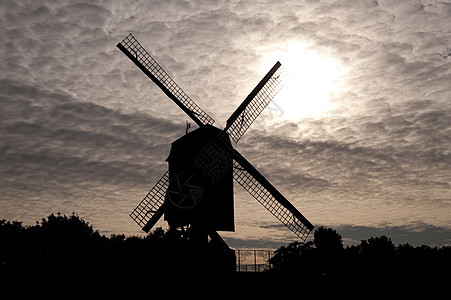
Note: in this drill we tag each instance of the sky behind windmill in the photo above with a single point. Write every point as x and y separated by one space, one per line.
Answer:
358 139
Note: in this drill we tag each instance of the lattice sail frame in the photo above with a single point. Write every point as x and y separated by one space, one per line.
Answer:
262 195
256 102
151 68
150 209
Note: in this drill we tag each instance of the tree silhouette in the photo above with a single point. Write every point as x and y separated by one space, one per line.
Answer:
327 241
66 251
381 247
318 259
291 258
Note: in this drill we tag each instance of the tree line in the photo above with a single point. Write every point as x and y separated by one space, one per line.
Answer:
375 260
66 250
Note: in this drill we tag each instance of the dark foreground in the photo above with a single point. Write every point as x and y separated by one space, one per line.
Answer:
66 254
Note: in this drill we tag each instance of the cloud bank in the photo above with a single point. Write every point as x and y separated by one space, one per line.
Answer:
83 130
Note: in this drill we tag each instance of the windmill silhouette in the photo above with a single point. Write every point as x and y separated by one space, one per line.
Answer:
195 195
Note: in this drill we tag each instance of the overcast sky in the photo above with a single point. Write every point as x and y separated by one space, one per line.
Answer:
358 139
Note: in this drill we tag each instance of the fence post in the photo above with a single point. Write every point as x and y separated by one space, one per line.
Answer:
239 261
255 260
269 257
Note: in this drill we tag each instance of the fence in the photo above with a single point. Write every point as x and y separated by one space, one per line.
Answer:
253 260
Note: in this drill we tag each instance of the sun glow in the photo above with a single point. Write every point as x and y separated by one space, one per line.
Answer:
312 81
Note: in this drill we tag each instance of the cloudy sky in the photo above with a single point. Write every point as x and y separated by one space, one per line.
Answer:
359 139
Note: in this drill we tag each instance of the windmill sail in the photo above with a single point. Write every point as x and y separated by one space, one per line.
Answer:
152 207
214 159
133 49
255 102
268 196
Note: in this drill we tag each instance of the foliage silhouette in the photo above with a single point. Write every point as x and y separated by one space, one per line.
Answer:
376 260
66 251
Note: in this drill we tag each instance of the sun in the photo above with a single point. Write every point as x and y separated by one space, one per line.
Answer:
313 79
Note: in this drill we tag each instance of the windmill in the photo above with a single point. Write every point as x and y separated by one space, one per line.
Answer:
196 193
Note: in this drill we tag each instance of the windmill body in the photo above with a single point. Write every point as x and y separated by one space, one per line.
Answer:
195 196
196 193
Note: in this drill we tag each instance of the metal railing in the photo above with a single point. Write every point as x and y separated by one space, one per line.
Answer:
253 260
